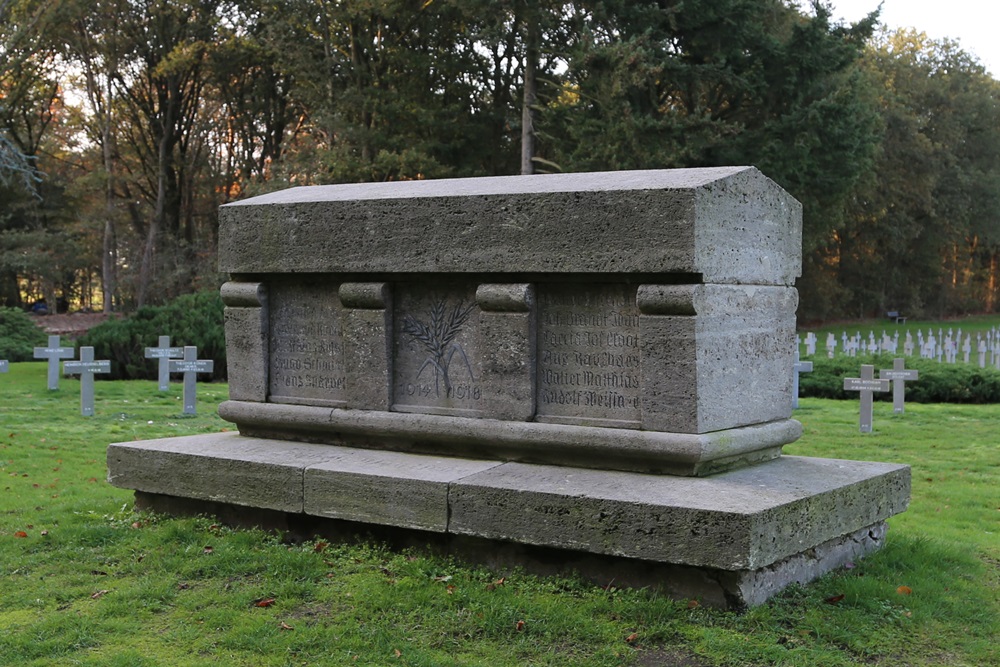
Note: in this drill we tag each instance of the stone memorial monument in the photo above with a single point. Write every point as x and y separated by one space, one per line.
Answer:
592 370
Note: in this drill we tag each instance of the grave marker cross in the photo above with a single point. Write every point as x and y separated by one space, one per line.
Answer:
85 368
866 384
800 367
4 366
164 353
53 353
898 375
190 366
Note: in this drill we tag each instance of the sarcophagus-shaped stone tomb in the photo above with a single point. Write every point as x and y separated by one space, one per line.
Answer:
634 320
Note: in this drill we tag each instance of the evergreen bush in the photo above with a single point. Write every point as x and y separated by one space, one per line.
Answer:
938 383
193 319
19 335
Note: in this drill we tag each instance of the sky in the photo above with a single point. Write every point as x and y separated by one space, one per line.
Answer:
972 23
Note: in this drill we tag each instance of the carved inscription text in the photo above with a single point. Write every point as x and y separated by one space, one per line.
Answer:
307 358
588 354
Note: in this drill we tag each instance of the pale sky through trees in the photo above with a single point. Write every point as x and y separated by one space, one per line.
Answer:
973 23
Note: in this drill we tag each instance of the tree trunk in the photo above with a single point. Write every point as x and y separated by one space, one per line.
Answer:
528 103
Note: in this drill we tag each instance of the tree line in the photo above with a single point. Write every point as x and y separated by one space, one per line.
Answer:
124 124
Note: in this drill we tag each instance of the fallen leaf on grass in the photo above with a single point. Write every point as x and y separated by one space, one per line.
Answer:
834 599
20 533
98 594
208 550
263 602
443 577
321 547
285 626
519 626
397 652
692 604
450 589
44 533
496 584
904 590
632 637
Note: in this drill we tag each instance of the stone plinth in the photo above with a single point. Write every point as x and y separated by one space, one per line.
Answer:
748 532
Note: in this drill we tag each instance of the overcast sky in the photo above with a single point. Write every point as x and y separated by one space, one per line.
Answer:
975 24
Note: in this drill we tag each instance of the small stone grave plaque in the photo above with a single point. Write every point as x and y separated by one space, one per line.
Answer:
85 368
866 384
190 366
307 357
588 355
898 376
53 353
164 353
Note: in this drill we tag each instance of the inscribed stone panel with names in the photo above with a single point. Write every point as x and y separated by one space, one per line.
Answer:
588 355
307 357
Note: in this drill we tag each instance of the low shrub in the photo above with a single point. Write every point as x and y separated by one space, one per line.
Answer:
19 335
938 383
193 319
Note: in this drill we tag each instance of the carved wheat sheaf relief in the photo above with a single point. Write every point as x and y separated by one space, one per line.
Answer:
438 338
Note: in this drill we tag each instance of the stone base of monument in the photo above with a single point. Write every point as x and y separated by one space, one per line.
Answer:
730 540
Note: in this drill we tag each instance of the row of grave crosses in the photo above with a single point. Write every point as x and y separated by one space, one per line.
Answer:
944 347
867 384
171 360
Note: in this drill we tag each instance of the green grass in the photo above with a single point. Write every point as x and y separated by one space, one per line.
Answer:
93 583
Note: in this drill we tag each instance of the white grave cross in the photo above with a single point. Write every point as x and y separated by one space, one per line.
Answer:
800 367
898 375
164 353
53 353
190 366
85 368
866 384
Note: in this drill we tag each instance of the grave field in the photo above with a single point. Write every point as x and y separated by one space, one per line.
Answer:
85 580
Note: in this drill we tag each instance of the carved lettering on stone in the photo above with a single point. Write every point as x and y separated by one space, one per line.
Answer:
307 357
588 355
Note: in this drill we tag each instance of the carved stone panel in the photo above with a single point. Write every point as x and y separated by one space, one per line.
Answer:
588 355
307 356
436 364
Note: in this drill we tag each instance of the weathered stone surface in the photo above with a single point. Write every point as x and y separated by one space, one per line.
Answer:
386 488
563 444
731 540
715 356
219 467
724 224
246 322
740 520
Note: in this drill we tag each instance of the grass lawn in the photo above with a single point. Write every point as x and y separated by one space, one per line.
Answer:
86 581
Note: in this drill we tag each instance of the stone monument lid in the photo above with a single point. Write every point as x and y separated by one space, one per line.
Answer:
713 225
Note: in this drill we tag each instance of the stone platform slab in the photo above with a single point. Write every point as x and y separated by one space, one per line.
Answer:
751 531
